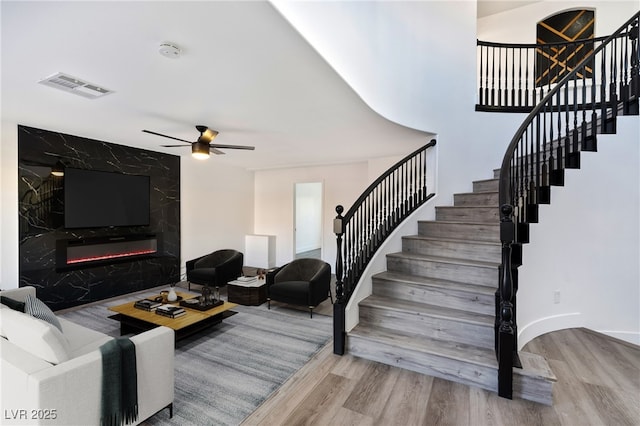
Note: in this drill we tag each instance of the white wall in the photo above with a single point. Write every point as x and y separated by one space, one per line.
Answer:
216 208
274 202
9 206
394 56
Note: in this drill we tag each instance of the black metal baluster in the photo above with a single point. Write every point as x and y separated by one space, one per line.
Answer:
576 148
586 141
500 76
519 77
526 81
513 77
544 193
486 70
493 75
561 155
603 93
613 95
624 82
480 74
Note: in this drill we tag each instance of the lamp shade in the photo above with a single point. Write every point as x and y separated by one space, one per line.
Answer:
58 169
200 150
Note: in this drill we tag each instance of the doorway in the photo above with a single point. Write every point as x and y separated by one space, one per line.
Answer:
308 220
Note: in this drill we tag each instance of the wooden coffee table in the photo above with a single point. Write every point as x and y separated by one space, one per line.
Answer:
134 320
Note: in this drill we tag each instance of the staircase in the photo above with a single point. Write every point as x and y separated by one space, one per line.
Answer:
433 310
437 310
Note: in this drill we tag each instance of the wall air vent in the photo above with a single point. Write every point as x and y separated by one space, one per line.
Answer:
75 85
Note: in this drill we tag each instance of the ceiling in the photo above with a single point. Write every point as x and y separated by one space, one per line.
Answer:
243 71
492 7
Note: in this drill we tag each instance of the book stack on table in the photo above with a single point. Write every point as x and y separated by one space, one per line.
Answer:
147 304
170 311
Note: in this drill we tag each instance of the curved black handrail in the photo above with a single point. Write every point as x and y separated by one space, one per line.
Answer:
389 200
564 123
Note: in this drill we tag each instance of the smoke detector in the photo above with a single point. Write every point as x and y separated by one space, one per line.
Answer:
169 50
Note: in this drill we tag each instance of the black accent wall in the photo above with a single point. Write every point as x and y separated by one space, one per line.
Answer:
41 219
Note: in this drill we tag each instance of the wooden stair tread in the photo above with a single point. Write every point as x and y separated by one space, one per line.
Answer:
435 282
450 260
497 224
468 207
424 309
477 192
535 366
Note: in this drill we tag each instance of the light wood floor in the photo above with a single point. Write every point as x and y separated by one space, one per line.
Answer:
598 384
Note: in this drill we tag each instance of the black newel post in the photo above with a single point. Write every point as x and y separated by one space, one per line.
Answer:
339 337
506 332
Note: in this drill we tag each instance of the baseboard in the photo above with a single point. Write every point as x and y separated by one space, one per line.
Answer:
622 337
546 325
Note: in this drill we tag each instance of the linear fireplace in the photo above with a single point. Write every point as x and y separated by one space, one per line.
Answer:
86 252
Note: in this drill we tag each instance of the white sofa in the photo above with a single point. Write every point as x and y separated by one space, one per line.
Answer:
67 390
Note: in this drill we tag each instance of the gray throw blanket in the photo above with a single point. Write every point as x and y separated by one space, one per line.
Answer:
119 382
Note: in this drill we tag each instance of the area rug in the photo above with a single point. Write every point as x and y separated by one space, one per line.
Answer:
225 373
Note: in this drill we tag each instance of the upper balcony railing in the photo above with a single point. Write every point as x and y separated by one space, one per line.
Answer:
516 77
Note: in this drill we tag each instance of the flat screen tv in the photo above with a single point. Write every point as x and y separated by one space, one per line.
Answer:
95 199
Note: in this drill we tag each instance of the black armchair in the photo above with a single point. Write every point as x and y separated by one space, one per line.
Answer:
215 269
304 282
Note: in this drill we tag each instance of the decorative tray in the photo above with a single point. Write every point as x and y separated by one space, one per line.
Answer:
163 299
195 304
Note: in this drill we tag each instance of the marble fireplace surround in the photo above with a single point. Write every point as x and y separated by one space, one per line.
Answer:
70 267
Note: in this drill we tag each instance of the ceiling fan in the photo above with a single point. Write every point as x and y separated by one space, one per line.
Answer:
201 148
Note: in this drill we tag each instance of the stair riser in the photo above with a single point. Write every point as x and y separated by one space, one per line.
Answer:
532 389
486 185
488 199
471 274
455 370
468 214
450 329
453 249
433 365
464 300
469 231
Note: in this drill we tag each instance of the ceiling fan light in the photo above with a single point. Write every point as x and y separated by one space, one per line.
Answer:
200 150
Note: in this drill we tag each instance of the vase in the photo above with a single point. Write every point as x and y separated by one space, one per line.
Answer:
172 296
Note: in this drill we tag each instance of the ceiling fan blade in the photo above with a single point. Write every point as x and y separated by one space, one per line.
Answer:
165 136
174 146
215 145
216 151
